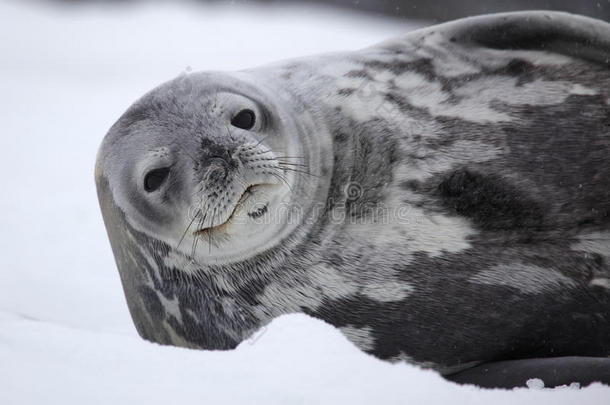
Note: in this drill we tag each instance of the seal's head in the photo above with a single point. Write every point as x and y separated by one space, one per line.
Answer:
203 164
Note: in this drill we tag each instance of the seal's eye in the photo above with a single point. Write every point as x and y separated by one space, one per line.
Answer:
244 119
155 178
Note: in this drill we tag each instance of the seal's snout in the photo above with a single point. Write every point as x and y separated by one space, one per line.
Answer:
216 163
214 153
217 170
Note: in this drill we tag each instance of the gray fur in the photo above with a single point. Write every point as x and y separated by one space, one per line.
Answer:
526 279
452 207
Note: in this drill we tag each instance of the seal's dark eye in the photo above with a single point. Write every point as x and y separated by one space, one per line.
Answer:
155 178
244 119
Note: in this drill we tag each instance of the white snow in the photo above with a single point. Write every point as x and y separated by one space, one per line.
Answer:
66 73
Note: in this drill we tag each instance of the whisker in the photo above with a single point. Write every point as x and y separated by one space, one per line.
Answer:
290 157
195 240
188 227
199 226
210 232
230 134
260 141
263 152
291 169
268 150
279 161
292 164
204 217
282 179
300 172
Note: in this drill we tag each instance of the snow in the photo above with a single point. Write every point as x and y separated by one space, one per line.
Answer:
65 333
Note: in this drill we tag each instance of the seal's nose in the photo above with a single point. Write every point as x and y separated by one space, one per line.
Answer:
217 153
217 169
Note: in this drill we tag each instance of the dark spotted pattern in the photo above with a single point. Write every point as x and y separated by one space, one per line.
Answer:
491 202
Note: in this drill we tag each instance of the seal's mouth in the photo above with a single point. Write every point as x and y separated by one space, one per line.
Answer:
242 199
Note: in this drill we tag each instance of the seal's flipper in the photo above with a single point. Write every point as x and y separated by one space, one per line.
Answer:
552 371
556 32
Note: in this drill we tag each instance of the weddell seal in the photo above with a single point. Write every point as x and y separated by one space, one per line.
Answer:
443 198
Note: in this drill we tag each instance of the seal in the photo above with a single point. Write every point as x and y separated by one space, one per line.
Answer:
443 197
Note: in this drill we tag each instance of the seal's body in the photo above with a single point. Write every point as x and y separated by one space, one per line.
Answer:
443 197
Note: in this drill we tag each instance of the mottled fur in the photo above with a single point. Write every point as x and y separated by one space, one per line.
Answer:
479 229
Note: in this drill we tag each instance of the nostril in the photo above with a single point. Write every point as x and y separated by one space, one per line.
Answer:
218 169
